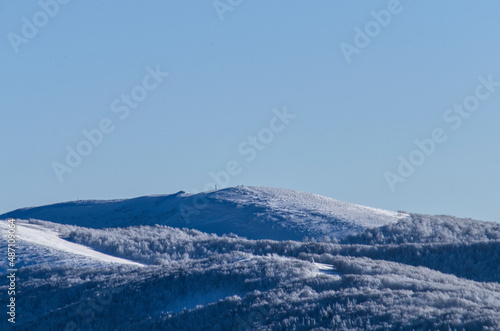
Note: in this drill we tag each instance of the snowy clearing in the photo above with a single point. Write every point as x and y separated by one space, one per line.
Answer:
40 235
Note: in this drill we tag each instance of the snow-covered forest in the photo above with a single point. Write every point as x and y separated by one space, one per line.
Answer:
344 267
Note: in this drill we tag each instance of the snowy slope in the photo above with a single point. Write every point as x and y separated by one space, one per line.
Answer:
47 242
251 212
196 281
135 264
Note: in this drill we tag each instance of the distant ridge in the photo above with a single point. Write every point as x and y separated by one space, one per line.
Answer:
251 212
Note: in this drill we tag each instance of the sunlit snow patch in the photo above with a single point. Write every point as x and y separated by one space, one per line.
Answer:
42 236
326 269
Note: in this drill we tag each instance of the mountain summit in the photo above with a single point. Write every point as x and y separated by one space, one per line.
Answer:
251 212
170 262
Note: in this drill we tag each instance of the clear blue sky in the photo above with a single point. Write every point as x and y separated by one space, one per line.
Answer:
353 120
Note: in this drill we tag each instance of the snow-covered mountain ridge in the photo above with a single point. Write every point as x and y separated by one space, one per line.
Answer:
251 212
146 264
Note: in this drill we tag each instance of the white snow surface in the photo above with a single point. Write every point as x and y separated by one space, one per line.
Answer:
251 212
42 236
80 265
302 207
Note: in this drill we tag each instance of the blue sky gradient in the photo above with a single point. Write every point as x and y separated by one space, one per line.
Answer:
353 119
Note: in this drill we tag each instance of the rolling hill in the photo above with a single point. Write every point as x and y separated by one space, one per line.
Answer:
249 258
251 212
